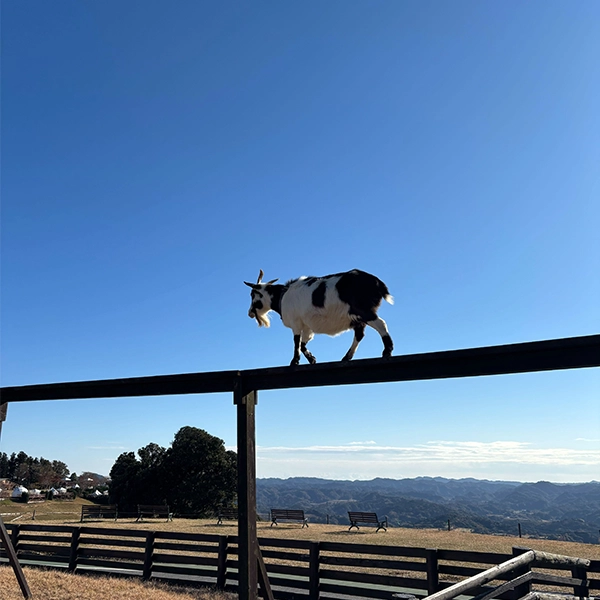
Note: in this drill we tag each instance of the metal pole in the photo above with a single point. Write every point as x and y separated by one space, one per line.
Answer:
247 538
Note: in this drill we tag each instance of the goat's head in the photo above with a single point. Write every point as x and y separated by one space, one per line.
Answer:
260 300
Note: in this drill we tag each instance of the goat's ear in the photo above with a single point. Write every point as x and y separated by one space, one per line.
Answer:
260 276
254 286
272 281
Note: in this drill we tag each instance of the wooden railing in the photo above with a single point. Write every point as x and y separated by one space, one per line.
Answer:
548 355
297 568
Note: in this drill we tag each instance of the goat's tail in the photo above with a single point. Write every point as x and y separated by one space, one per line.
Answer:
389 298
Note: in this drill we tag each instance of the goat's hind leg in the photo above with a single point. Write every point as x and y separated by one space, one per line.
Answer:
379 325
359 334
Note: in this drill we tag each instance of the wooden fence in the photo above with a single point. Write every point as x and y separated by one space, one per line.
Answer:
296 568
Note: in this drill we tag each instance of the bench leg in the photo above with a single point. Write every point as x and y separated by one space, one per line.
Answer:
353 525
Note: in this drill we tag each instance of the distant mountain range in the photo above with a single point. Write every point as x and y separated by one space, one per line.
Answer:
543 509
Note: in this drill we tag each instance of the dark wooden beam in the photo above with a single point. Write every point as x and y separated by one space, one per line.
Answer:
547 355
14 561
248 551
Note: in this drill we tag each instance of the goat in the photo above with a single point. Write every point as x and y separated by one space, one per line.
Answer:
330 304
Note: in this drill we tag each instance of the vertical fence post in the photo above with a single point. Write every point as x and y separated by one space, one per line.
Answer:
222 562
74 553
247 538
580 590
433 574
149 555
521 590
14 537
313 570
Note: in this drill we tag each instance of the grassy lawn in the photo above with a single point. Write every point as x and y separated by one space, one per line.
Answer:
56 585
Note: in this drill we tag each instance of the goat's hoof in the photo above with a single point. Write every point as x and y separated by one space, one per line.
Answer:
346 358
295 362
311 359
387 354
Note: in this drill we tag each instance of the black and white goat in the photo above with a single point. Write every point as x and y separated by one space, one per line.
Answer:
330 304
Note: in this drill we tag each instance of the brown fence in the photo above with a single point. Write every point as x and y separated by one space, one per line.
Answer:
296 568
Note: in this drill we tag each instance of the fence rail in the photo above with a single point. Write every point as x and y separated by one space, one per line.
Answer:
548 355
296 568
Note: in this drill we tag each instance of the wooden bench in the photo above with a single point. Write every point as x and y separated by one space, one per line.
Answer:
227 514
369 518
154 510
296 515
99 511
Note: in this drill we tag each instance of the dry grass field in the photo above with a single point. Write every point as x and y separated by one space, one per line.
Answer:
56 585
49 585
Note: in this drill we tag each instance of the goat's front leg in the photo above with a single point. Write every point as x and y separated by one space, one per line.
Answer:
306 337
296 359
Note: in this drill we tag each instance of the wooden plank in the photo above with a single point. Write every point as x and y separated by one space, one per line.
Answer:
492 558
354 576
190 537
346 590
373 563
247 538
178 546
299 584
546 355
14 561
463 587
108 531
285 555
109 565
288 570
113 542
186 559
179 570
372 549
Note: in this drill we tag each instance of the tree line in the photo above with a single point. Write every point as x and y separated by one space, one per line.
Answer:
195 476
22 469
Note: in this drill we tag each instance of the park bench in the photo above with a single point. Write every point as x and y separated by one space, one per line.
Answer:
99 511
154 510
227 514
369 518
296 515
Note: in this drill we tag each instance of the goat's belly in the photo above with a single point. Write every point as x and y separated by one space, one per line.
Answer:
329 324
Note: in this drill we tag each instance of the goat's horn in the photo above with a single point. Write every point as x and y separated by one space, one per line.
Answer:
260 276
272 281
254 286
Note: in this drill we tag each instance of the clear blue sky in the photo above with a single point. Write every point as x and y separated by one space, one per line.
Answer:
155 155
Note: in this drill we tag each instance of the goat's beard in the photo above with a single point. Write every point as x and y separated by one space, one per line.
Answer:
263 320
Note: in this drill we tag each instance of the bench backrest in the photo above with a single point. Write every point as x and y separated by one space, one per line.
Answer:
291 514
96 509
363 517
231 513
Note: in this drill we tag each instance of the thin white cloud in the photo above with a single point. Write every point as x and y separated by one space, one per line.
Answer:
107 447
448 451
370 443
594 441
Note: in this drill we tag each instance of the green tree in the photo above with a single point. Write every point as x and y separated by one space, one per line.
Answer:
194 476
124 480
200 473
